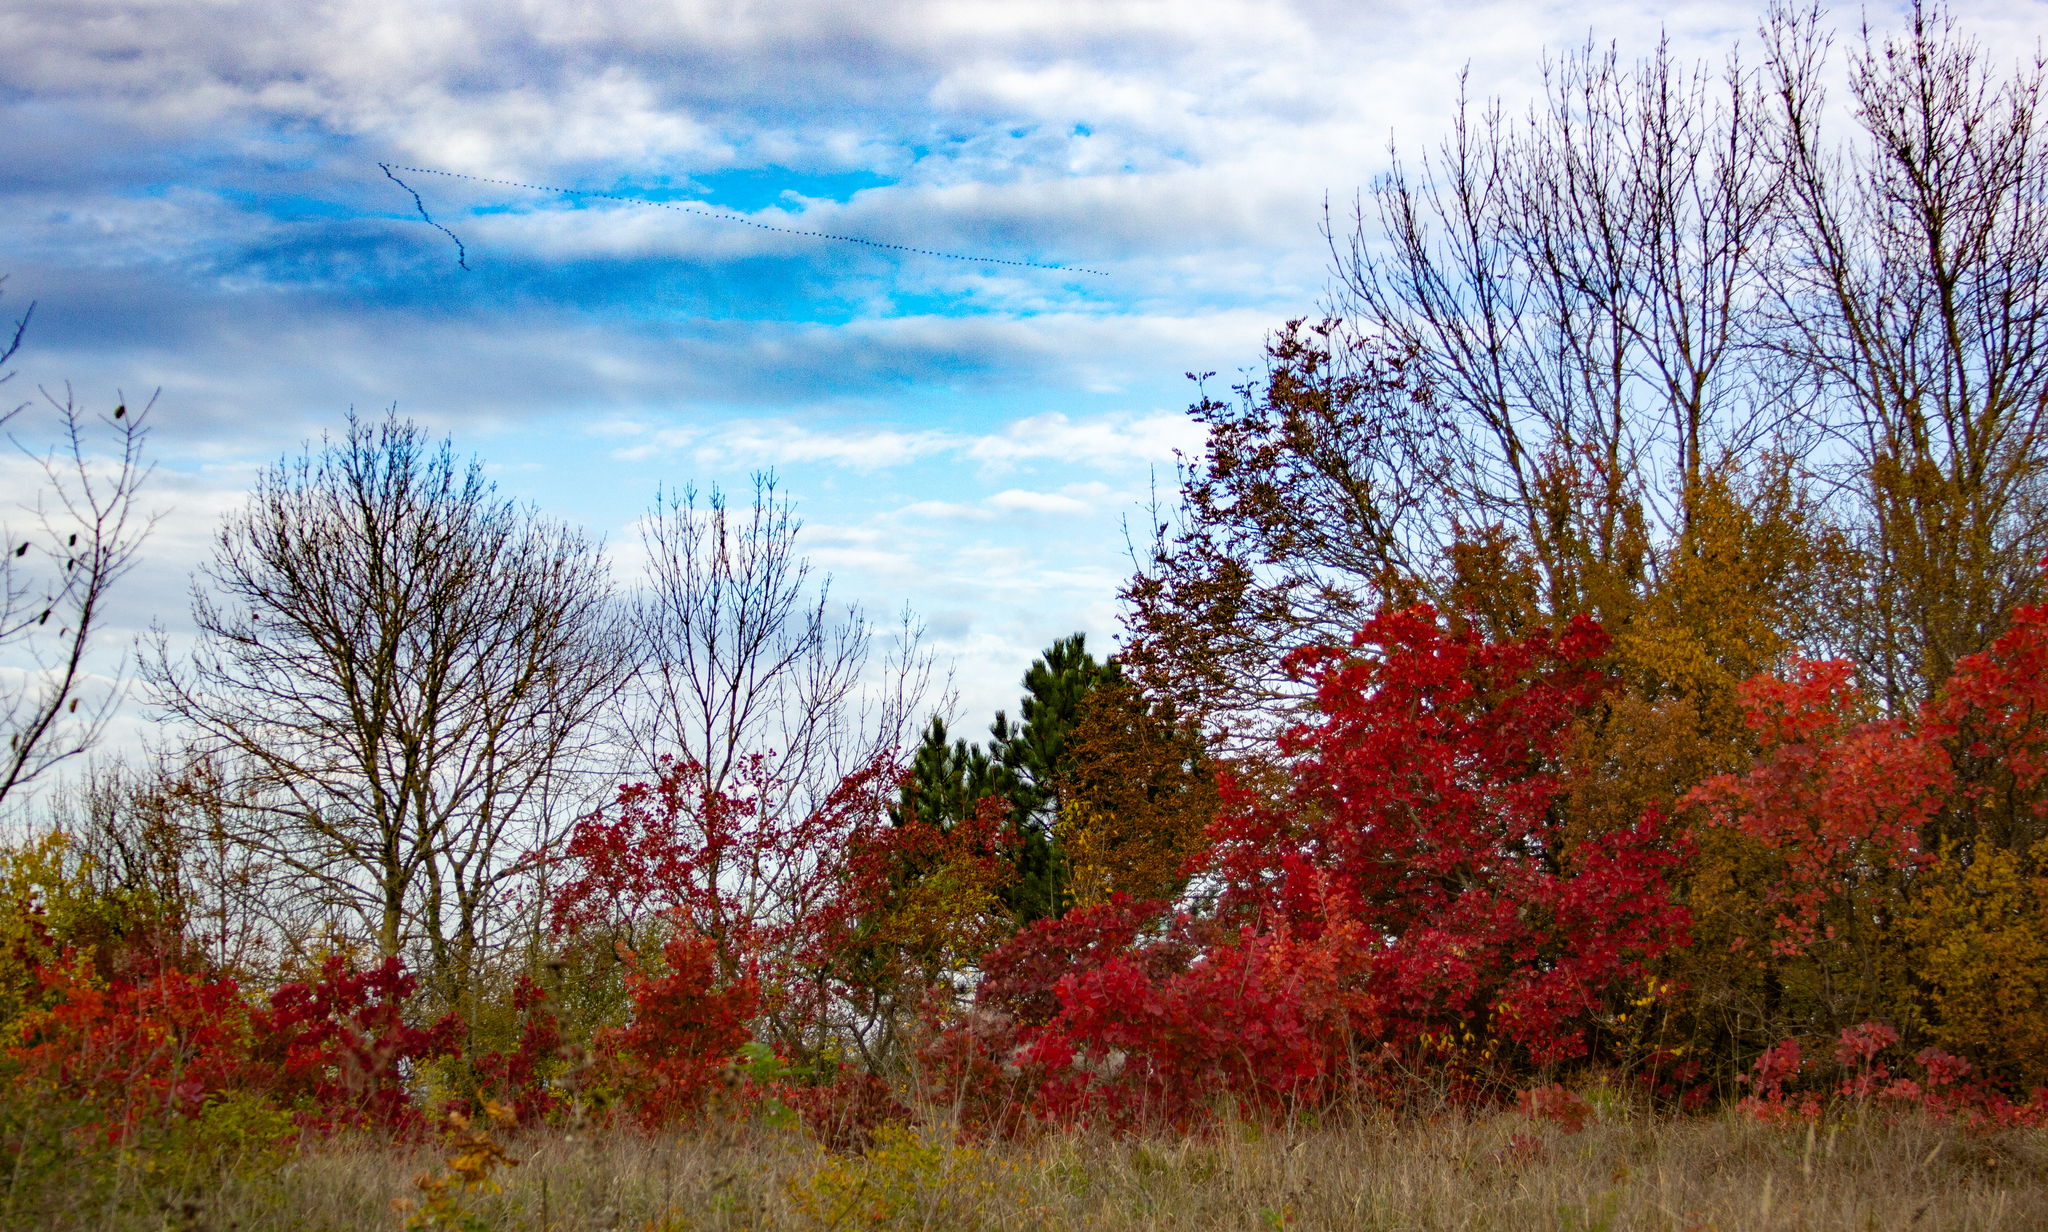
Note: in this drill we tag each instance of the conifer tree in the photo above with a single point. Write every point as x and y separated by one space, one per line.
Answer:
1027 763
946 781
1036 754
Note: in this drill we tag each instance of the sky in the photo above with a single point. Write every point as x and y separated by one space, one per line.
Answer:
191 195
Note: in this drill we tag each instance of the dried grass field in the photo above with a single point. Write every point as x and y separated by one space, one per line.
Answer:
1496 1171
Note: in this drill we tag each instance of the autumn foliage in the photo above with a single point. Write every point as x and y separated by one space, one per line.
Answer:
685 1030
1411 898
335 1051
1424 816
132 1053
342 1047
1402 901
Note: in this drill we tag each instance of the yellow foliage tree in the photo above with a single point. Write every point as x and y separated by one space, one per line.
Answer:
1141 794
48 904
1978 932
1739 589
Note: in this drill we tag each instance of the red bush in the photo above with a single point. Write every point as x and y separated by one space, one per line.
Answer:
337 1049
520 1081
685 1032
844 1114
766 884
1020 978
1995 709
132 1052
1557 1104
1783 1086
1411 894
340 1047
1257 1024
1423 812
1839 800
974 1067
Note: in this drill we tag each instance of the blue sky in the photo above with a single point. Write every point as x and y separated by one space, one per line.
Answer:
192 198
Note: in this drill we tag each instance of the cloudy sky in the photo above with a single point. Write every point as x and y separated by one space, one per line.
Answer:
193 199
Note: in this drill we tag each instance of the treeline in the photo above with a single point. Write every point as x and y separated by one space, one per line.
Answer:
404 691
1606 646
1763 401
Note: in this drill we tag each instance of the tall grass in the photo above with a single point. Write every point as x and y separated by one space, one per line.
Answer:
1725 1174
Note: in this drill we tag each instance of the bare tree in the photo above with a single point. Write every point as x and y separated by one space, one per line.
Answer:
1563 333
402 674
1535 359
156 840
1570 291
1911 285
74 540
746 655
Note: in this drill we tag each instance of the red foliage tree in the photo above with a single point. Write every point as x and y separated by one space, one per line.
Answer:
1424 813
340 1048
1840 801
1259 1022
337 1049
1870 826
687 1027
915 908
1413 888
1021 978
727 867
1993 717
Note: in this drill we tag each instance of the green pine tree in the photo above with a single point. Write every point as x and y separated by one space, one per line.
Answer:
1034 754
1025 763
947 781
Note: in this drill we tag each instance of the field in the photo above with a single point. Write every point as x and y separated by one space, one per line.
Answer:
1724 1173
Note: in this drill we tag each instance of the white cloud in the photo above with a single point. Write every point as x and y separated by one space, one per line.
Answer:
945 511
193 198
1107 440
1018 500
1114 441
764 443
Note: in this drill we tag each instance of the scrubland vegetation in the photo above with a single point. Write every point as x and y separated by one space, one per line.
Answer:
1489 1171
1578 757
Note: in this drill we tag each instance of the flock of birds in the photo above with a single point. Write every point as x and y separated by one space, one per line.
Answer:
462 252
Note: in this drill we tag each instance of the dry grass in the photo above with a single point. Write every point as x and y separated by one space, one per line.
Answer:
1454 1172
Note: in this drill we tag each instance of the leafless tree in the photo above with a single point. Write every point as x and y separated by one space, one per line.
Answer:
746 654
751 671
1563 331
1569 290
72 541
1911 286
157 840
401 672
1535 354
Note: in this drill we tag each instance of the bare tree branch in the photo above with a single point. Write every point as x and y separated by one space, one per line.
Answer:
84 530
747 655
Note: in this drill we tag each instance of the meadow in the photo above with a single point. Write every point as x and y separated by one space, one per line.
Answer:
1722 1173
